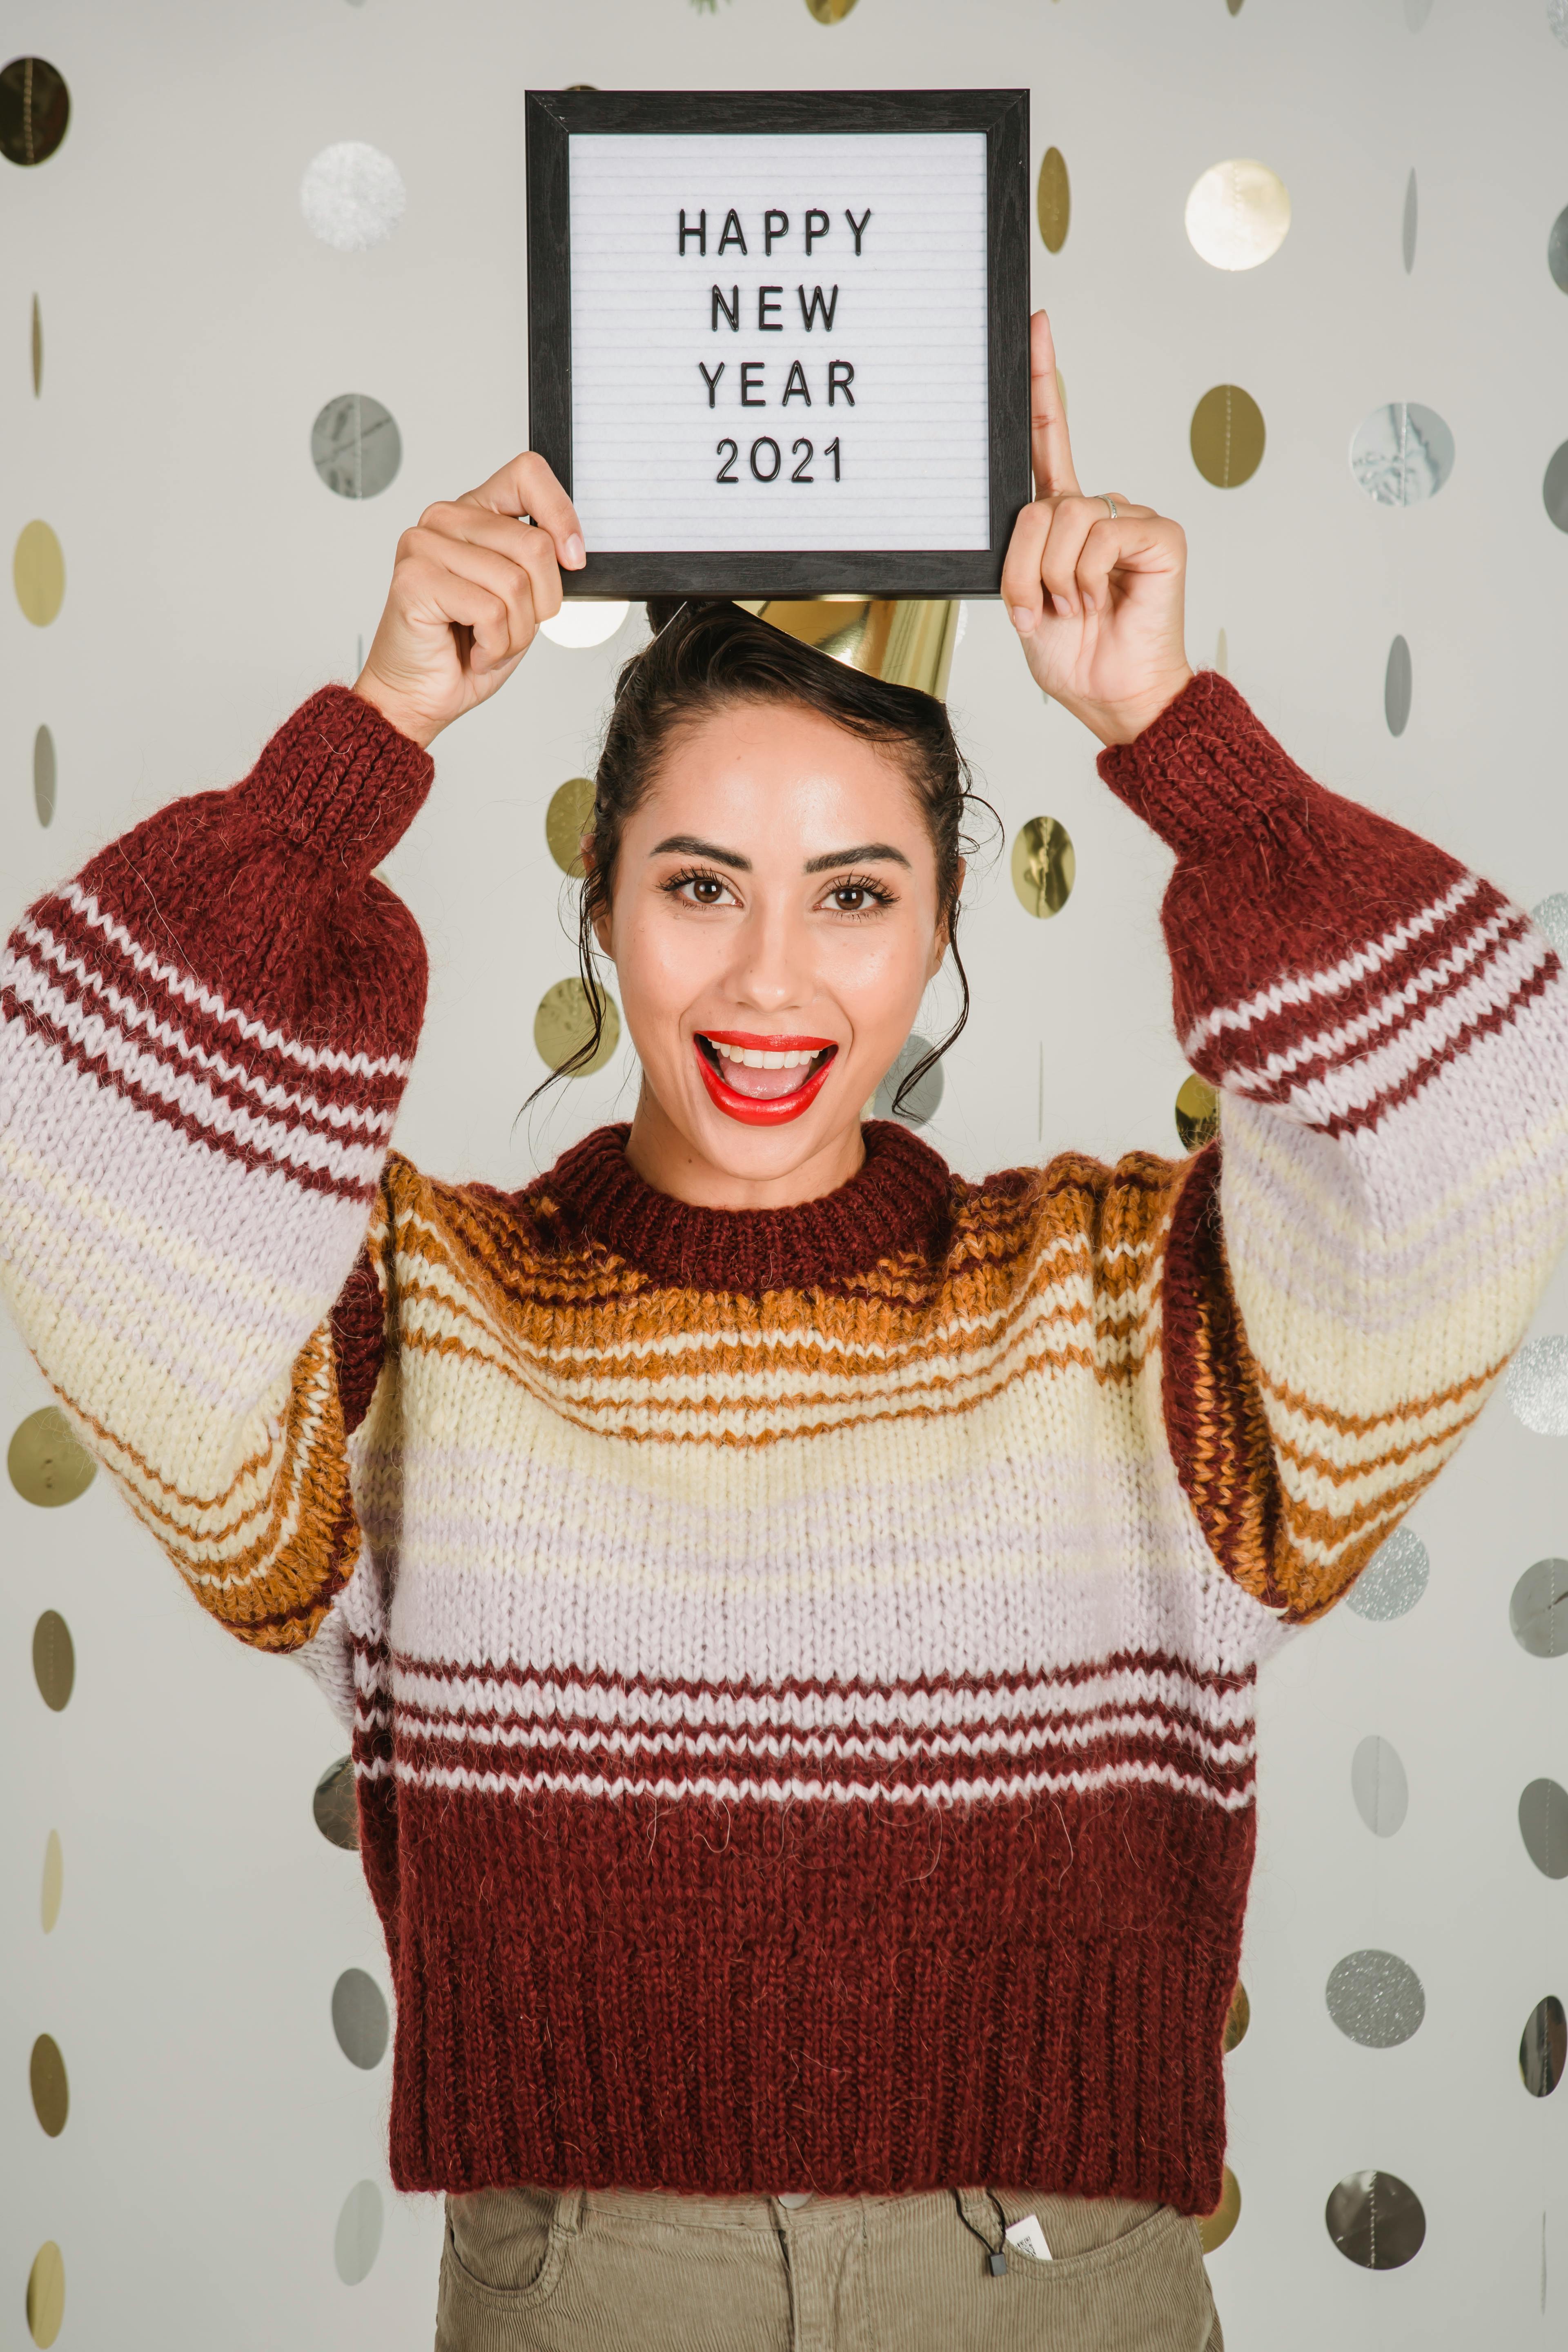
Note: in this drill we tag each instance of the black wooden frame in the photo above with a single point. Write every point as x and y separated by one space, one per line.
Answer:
1002 114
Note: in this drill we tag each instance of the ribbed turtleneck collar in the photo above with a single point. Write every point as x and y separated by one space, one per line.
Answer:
898 1201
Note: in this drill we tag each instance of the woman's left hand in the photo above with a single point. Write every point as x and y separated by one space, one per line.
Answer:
1097 599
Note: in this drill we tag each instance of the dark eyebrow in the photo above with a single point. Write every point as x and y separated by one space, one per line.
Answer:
871 853
686 845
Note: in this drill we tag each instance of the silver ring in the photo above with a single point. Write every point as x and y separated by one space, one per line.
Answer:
1110 502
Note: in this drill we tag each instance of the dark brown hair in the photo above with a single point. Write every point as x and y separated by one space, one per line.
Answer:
706 657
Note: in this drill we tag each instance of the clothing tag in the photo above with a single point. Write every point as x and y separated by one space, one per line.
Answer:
1030 2238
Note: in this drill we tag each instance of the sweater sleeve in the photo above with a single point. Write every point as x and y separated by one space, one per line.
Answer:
1349 1267
204 1039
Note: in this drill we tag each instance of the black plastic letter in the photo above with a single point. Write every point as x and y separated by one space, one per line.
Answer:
766 325
856 226
699 232
750 382
733 233
821 229
769 232
710 381
732 308
816 308
841 376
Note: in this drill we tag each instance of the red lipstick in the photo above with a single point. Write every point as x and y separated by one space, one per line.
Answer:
763 1110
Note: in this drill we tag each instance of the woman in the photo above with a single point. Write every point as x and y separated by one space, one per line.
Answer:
798 1610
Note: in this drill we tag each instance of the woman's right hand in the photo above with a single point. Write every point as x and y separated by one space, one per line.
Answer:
471 583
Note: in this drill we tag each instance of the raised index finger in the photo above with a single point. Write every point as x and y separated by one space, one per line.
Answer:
527 487
1050 448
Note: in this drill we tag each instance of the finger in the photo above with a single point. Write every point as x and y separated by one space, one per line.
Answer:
436 589
1021 590
1072 520
1138 540
527 487
1050 446
518 543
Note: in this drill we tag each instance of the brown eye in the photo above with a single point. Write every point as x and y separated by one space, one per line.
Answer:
851 899
708 889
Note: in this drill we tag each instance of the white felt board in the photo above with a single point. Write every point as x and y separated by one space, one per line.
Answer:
910 320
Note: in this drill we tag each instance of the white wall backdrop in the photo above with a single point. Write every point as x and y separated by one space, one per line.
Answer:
193 328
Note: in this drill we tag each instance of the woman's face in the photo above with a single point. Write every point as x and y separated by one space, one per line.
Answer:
774 927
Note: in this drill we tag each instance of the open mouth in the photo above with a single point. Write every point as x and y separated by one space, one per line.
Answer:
762 1081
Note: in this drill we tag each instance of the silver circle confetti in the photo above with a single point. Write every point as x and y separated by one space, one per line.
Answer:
355 446
1538 1610
924 1098
359 2017
1397 687
1379 1786
357 2238
1394 1581
1552 916
1375 1998
1402 454
1544 1826
1537 1385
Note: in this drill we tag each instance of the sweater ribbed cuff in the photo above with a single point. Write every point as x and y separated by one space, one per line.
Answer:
338 780
1206 769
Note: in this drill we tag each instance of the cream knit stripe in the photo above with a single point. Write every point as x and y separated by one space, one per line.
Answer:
184 988
115 1265
1421 1041
670 1378
801 1749
578 1616
457 1307
139 1071
249 1552
170 1294
1304 1230
1305 990
1216 1708
796 1790
1385 1281
58 1004
1345 1039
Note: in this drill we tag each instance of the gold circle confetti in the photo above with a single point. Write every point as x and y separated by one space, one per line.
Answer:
566 820
1197 1113
1239 2019
1043 866
829 12
1053 200
39 569
564 1022
35 109
54 1660
46 1463
1227 436
1215 2228
46 2081
53 1889
46 2295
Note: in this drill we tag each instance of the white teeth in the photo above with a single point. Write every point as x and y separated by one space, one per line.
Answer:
755 1059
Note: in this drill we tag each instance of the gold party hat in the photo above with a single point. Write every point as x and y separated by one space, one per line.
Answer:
902 640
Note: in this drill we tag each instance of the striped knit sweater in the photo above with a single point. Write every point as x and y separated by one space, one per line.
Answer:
800 1664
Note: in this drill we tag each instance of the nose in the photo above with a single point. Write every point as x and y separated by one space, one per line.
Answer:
771 966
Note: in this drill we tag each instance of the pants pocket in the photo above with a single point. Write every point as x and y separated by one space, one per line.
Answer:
505 2253
1145 2291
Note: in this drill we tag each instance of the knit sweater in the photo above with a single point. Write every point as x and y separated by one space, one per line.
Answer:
800 1663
